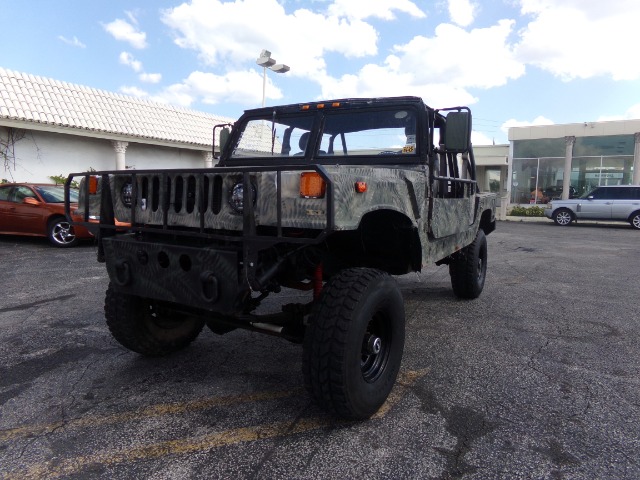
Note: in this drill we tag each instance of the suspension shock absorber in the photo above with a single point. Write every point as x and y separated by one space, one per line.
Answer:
317 281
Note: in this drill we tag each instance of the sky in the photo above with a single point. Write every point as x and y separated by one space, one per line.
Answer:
513 62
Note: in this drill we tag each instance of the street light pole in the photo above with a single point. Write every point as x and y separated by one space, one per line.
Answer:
265 61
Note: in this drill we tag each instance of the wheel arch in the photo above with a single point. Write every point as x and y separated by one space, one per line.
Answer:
633 214
487 223
387 230
50 218
571 212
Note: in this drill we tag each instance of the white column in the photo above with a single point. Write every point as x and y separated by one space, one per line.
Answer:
568 157
208 159
120 148
636 160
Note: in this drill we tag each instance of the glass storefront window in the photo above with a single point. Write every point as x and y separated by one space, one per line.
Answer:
536 180
493 180
588 173
538 166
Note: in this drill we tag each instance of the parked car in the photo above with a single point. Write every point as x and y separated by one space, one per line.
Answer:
615 202
38 210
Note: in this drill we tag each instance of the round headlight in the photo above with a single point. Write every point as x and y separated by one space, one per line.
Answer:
126 193
236 199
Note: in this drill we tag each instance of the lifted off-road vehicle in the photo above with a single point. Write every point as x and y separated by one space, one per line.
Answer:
331 197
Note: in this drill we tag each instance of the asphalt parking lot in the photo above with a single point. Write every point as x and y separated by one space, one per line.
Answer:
538 378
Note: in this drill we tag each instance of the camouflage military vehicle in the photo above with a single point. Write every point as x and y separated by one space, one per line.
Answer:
331 197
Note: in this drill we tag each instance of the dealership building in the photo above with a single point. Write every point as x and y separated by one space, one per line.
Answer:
562 161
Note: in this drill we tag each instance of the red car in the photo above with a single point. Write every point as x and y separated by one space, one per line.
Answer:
38 210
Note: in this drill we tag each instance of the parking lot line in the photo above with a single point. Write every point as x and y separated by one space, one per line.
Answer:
182 446
150 411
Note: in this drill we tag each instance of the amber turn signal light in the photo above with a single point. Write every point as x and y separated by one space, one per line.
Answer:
361 187
93 185
312 185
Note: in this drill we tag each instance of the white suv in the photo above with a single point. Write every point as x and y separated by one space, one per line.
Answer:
619 202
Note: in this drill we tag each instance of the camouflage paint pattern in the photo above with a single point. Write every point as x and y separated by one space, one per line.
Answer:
404 189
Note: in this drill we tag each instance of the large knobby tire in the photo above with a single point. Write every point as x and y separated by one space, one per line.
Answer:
468 269
353 345
562 217
144 326
60 233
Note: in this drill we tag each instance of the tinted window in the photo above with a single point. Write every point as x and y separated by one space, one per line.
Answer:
602 194
4 193
21 193
622 193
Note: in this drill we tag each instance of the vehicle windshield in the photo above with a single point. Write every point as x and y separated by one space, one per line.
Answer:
344 132
55 194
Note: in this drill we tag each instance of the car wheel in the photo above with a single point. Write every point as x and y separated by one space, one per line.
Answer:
635 220
563 217
468 269
353 345
147 326
60 233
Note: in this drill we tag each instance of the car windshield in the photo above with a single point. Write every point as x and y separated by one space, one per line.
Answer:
389 131
55 193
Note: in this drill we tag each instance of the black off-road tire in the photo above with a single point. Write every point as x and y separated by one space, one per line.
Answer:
353 345
145 327
468 269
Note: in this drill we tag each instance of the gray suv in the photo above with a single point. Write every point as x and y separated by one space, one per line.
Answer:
616 202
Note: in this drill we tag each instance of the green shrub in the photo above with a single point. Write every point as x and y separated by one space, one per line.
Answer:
534 211
61 179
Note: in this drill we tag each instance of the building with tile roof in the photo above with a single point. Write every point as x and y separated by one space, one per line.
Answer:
49 127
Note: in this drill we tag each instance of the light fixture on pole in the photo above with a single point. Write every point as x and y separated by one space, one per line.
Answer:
265 61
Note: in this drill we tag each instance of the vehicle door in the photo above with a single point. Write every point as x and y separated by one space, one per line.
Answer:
626 202
454 189
25 218
5 208
597 205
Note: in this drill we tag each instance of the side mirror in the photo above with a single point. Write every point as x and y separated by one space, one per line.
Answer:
30 201
223 139
458 131
225 133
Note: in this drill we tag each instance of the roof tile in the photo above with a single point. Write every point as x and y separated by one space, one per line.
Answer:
82 107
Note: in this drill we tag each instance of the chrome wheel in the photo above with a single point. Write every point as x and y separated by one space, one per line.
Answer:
563 217
635 221
61 233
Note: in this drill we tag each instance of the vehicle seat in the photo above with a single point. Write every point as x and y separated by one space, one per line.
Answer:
302 143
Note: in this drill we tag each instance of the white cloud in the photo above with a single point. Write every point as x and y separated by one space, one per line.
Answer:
133 91
462 12
228 35
440 69
74 42
243 87
234 33
124 31
150 77
578 39
177 94
539 120
127 59
384 9
479 138
479 58
632 113
131 16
